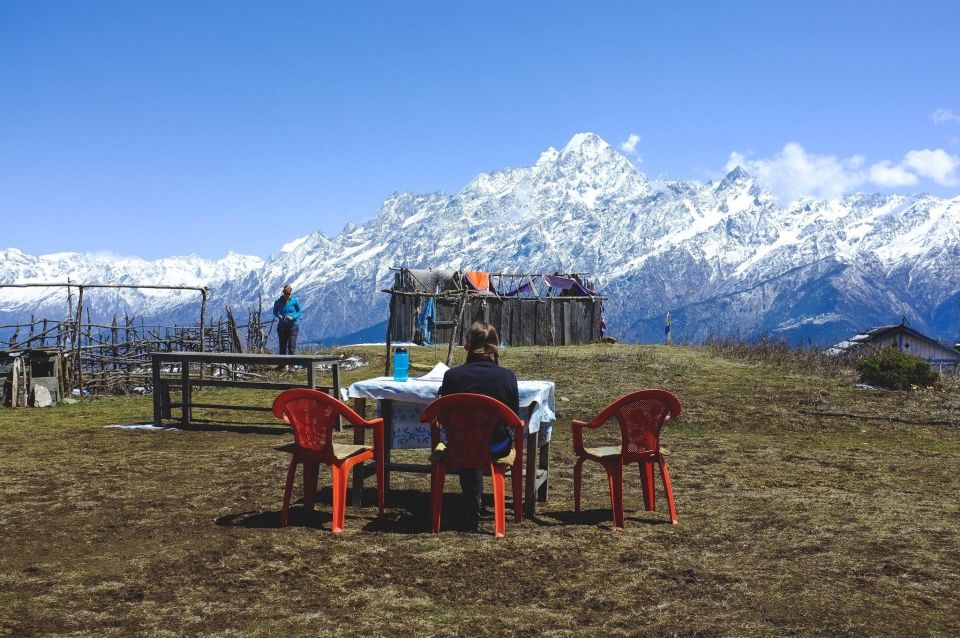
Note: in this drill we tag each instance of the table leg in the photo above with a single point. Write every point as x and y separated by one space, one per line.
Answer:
530 482
544 465
386 411
359 436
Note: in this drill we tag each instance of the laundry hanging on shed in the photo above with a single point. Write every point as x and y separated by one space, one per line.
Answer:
479 280
568 283
426 321
523 289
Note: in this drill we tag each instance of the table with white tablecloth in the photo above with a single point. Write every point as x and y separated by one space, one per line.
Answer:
401 402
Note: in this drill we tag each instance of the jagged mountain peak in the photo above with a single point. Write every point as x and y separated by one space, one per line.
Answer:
737 175
547 157
591 150
721 256
586 144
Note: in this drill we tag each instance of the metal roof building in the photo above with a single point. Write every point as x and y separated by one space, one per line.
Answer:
939 355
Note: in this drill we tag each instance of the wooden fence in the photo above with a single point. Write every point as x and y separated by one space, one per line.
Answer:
115 356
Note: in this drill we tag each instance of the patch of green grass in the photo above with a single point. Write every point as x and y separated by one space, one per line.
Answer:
807 506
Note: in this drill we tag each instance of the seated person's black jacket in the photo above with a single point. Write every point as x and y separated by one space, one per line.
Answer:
480 375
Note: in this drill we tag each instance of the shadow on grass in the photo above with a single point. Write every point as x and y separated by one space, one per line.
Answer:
297 516
407 511
597 518
235 427
318 519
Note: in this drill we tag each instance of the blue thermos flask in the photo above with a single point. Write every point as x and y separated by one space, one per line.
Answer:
401 364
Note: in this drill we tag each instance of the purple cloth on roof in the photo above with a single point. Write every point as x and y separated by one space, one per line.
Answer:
523 289
566 283
555 281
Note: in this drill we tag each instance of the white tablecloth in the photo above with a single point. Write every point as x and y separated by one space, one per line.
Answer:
537 406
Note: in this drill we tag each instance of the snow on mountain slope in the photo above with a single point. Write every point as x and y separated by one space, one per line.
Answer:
723 257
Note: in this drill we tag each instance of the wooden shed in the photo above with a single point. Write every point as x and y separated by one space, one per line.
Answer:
939 355
438 306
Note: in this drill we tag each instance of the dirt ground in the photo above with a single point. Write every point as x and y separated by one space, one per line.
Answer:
807 507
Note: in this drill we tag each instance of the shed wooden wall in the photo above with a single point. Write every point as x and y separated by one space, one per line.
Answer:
521 321
907 343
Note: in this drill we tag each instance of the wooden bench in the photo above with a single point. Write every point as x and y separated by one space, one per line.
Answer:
228 360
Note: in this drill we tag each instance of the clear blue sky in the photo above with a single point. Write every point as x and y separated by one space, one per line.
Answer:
165 128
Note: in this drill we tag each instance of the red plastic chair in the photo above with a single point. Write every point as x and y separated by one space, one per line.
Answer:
468 420
641 415
313 417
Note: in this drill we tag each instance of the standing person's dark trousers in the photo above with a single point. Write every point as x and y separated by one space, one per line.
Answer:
288 337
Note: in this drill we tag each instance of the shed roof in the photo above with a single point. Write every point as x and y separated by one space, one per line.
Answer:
874 334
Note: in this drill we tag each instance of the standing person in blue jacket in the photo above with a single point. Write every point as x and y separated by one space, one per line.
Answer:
287 311
482 374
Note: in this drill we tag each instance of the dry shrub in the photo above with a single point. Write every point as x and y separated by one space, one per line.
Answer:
781 354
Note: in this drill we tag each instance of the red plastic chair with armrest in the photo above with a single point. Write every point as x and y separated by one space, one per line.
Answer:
468 420
313 416
641 415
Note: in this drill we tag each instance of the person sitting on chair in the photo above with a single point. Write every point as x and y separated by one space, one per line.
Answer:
482 374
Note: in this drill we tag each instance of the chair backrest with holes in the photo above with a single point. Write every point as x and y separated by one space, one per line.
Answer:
468 420
313 416
641 416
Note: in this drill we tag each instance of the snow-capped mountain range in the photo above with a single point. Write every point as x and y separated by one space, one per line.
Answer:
723 257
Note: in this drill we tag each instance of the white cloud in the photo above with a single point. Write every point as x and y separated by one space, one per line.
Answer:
936 164
944 116
887 174
793 172
630 146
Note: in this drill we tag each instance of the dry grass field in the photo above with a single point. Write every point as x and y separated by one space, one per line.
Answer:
807 507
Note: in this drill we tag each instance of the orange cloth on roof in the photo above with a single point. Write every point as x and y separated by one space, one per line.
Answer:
480 280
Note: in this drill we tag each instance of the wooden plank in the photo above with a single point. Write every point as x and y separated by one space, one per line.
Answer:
15 383
553 314
252 359
446 319
493 312
219 406
466 319
542 325
157 394
528 317
253 385
503 320
595 332
576 322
